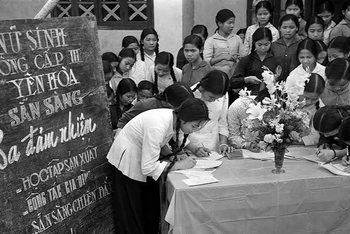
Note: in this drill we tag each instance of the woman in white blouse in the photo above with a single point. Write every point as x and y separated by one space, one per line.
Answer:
136 155
212 89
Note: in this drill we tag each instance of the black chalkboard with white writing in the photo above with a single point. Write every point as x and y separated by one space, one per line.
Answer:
55 128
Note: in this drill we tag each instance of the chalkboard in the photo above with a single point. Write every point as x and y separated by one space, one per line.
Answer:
55 128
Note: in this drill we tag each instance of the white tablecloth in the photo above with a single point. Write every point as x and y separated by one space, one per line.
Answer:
250 199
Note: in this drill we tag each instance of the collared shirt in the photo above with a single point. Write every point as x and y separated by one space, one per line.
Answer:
135 151
341 29
248 41
138 72
167 80
113 83
327 32
286 55
300 73
149 60
192 75
217 45
209 134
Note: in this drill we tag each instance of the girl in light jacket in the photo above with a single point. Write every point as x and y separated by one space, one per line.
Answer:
135 154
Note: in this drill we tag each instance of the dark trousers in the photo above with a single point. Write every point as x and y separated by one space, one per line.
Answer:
136 205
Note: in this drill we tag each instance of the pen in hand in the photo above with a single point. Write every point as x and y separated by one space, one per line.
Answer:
204 148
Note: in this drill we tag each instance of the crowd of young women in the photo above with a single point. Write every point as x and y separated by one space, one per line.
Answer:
161 112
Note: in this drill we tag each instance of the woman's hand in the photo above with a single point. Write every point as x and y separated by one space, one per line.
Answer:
252 80
226 57
234 57
202 152
326 155
225 149
323 146
186 163
345 162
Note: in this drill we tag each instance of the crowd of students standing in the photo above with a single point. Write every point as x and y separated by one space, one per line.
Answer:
162 110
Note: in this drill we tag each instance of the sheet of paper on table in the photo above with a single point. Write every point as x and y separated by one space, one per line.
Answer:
300 152
262 155
214 156
313 158
200 181
195 173
207 164
336 168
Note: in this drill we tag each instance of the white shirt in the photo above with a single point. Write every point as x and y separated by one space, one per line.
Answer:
209 135
149 60
138 72
299 73
235 116
136 149
167 80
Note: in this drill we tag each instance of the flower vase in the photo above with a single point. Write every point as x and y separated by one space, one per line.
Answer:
279 157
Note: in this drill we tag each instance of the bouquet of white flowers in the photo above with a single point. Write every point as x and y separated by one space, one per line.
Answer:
277 121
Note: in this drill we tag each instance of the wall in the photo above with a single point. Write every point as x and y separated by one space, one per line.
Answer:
19 9
205 12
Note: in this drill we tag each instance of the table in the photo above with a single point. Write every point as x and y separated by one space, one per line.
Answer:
250 199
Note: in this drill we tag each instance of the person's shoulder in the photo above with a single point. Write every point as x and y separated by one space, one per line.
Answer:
235 37
204 64
186 67
177 71
278 42
211 38
252 27
157 113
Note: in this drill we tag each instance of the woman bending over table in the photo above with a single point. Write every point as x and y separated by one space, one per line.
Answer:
135 153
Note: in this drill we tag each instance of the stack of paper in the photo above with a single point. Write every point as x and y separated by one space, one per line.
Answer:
206 164
200 174
213 156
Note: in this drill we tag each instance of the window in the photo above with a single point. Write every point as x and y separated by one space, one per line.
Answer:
117 14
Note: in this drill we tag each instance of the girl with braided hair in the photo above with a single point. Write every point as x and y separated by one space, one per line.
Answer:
164 73
249 70
135 154
127 58
328 121
149 46
212 89
139 71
